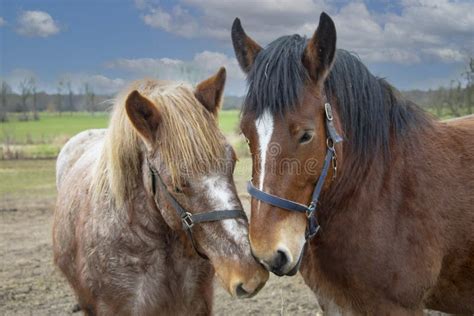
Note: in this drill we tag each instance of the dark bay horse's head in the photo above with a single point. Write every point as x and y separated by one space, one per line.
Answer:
194 163
283 119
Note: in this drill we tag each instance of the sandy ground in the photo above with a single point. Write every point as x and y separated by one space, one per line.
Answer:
31 285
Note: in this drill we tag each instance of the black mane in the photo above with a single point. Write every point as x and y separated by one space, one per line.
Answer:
371 110
277 76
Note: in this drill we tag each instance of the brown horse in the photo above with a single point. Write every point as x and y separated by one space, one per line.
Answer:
396 221
145 215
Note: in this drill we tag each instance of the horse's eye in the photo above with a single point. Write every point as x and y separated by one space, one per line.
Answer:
306 137
180 189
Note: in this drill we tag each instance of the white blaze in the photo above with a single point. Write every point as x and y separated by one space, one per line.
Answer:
264 126
221 197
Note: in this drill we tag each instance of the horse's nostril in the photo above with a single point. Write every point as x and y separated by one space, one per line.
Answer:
281 259
240 291
279 262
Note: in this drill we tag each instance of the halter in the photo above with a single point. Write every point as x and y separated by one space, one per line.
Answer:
310 210
188 220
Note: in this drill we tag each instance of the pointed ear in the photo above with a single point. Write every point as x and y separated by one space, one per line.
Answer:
210 91
321 49
144 116
246 49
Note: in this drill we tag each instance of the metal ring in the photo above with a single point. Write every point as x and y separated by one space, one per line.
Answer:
330 143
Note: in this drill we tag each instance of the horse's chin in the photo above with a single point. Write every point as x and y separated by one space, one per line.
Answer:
296 268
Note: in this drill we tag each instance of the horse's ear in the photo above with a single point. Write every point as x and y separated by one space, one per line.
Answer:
210 91
144 116
321 49
246 49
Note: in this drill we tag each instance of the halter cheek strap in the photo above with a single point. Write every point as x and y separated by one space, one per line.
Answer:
310 210
188 219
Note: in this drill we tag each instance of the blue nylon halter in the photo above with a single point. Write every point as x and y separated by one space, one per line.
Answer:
309 210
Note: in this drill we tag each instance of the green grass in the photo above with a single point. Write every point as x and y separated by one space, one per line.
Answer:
44 138
229 121
24 179
51 127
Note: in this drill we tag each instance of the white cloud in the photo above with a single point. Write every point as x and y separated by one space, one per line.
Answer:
201 66
100 84
2 21
36 24
105 84
438 30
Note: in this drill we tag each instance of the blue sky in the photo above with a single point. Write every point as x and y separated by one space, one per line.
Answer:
415 44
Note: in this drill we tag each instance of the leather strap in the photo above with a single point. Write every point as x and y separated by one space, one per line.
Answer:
275 200
188 219
310 210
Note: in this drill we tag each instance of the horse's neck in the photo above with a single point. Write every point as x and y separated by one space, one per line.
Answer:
421 156
146 215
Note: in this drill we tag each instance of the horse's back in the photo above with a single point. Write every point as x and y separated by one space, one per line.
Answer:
74 149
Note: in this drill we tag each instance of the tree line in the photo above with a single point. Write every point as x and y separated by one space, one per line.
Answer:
455 100
28 101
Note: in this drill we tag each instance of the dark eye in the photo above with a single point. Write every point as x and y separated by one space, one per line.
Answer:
306 137
184 185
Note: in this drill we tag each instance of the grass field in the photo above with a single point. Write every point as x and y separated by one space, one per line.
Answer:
23 182
44 138
52 126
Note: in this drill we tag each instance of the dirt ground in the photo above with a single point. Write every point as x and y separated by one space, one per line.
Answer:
30 284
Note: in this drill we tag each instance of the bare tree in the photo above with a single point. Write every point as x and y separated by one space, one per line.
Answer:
25 88
70 105
4 90
439 101
59 97
33 91
90 97
469 91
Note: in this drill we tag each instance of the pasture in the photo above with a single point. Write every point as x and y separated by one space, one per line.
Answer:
45 137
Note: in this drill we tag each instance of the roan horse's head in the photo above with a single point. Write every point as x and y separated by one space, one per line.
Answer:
283 119
194 165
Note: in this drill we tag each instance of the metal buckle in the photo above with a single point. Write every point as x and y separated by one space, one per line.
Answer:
328 110
187 220
311 209
334 165
330 144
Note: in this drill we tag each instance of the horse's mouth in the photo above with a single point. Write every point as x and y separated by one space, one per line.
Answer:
293 270
296 268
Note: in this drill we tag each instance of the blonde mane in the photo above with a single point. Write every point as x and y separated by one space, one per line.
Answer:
189 140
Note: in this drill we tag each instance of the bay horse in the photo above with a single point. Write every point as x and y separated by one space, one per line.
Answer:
386 190
147 210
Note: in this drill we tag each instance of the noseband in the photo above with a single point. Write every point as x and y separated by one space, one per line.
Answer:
310 210
188 220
